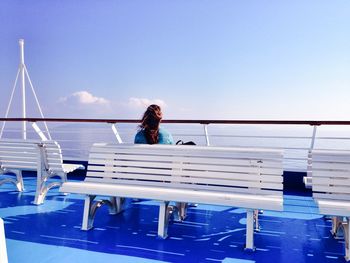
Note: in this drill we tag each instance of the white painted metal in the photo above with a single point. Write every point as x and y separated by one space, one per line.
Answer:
37 101
3 251
116 133
313 138
10 102
205 126
87 224
244 200
18 155
39 132
168 173
331 187
22 70
52 165
23 81
228 189
163 220
250 230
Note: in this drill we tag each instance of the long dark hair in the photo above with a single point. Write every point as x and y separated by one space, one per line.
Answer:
150 123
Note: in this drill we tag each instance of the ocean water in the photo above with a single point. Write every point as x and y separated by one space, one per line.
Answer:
295 140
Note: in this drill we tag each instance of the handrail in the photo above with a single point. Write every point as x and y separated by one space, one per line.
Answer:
276 122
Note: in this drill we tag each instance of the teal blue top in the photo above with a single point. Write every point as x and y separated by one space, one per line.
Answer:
164 137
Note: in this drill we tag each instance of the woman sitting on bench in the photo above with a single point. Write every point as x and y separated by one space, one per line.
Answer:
150 132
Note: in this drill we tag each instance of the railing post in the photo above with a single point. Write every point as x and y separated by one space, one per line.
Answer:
116 133
39 132
308 179
313 138
206 134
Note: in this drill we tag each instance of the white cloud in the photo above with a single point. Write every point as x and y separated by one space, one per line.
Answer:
144 102
85 98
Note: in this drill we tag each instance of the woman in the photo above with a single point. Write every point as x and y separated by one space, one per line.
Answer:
150 132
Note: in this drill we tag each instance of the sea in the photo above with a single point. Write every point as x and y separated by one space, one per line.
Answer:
296 141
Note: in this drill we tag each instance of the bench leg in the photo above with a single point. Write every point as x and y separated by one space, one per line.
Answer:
116 205
88 216
346 237
256 220
43 187
163 220
336 225
181 210
250 230
19 183
40 181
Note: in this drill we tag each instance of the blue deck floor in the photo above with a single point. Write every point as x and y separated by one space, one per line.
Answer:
51 232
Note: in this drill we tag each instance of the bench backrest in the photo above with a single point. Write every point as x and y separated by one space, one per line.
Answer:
252 171
330 172
19 154
52 156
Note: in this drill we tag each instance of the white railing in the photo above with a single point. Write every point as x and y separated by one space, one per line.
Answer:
296 138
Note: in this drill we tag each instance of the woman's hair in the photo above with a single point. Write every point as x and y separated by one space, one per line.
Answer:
150 123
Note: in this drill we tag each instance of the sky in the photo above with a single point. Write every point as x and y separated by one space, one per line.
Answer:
198 59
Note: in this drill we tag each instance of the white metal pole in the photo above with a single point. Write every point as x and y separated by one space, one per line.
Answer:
37 102
9 105
313 138
39 132
24 125
206 134
116 133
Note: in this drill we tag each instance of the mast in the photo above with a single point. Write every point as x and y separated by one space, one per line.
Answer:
23 81
23 74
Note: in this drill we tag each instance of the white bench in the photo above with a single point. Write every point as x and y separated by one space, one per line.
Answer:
53 165
43 157
330 171
245 178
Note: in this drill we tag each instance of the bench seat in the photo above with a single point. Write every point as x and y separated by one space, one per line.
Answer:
177 195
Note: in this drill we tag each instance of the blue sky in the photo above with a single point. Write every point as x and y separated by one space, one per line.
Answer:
199 59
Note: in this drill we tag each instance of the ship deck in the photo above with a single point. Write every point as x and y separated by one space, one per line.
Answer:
51 232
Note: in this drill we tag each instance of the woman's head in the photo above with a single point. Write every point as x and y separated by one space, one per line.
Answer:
150 123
